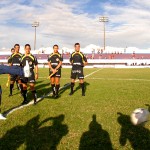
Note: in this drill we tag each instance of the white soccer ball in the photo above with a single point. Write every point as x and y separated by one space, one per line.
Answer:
139 116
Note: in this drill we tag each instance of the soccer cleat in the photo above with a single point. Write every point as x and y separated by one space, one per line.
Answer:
53 95
71 93
35 99
24 102
83 94
56 96
10 95
35 102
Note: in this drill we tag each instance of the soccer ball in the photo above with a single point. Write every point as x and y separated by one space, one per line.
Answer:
139 116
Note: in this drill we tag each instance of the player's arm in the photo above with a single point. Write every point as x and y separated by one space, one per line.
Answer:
60 63
49 64
9 64
84 60
50 67
36 69
71 59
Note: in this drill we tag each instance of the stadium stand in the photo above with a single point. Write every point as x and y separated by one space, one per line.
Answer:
98 60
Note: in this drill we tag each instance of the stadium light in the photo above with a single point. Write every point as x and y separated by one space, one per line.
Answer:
104 20
35 25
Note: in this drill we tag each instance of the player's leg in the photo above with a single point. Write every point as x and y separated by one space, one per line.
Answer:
82 86
57 82
72 85
24 92
17 84
73 77
57 86
33 90
12 80
20 85
81 81
52 81
31 81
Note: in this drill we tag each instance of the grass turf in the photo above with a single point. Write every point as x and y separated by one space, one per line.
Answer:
100 120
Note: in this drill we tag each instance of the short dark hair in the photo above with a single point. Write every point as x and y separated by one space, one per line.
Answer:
16 45
27 45
76 44
12 49
55 45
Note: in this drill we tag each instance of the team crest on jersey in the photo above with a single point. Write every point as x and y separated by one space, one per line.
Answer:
30 63
57 59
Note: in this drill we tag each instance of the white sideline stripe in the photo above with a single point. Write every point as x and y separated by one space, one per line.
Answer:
93 73
119 79
42 97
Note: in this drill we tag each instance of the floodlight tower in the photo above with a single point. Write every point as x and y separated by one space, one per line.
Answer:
104 20
35 25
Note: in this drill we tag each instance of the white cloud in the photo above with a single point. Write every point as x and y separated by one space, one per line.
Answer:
128 26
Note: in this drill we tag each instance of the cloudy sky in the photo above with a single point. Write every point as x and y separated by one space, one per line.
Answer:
65 22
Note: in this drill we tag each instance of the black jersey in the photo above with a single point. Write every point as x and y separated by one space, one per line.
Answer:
55 59
9 60
15 59
32 60
78 58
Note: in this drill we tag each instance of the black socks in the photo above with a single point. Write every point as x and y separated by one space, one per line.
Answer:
34 96
18 87
11 88
72 86
83 89
57 89
53 89
21 88
24 94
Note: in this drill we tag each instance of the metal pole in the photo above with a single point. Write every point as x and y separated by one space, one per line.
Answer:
35 25
104 20
104 37
35 39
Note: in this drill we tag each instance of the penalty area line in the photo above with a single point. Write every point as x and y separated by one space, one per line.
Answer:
10 111
119 79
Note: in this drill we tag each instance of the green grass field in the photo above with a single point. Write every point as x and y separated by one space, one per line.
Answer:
100 120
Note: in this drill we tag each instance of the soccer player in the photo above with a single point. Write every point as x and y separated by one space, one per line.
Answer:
33 64
12 51
78 61
15 60
9 61
55 61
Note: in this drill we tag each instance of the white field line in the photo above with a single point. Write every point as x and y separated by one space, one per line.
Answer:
42 97
119 79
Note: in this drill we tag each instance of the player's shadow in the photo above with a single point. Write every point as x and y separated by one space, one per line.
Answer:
66 87
43 88
34 135
79 87
138 136
96 138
